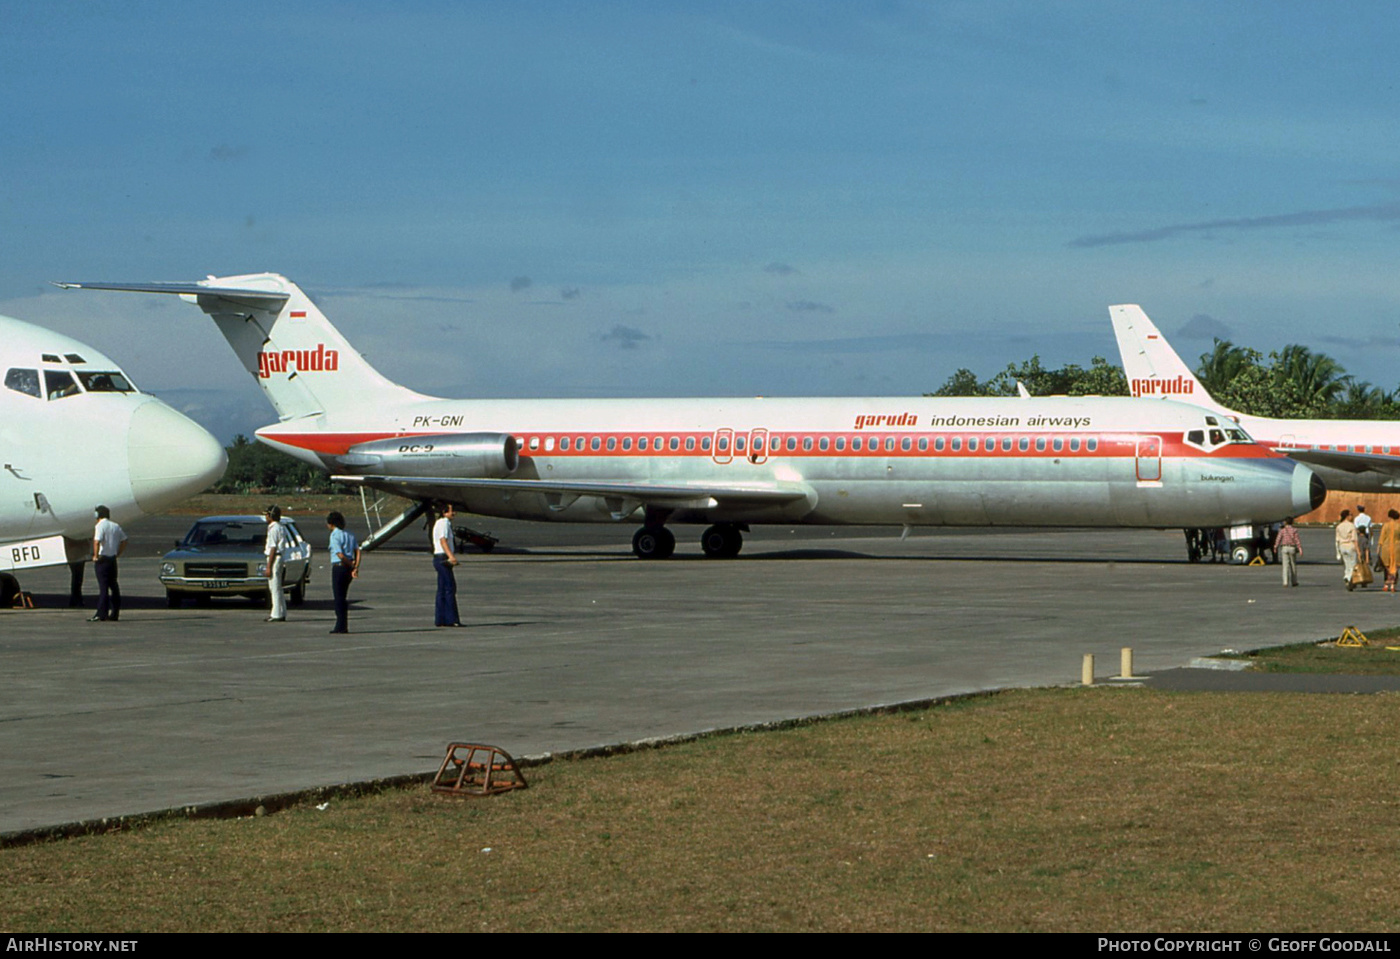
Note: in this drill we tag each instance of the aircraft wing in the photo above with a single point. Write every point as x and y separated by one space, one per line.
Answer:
622 498
1347 462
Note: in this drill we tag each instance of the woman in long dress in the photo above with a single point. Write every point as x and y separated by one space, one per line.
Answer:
1390 549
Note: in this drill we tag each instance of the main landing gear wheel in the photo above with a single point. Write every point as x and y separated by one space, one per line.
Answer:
722 541
1243 554
653 542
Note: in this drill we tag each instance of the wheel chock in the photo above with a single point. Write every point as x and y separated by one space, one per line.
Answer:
1257 561
471 769
1353 637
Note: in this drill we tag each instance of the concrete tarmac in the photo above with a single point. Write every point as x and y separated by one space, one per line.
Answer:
571 642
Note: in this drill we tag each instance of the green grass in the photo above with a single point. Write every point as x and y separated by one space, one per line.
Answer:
1089 809
1373 660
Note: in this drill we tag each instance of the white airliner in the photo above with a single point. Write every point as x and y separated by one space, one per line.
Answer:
1360 456
728 463
75 434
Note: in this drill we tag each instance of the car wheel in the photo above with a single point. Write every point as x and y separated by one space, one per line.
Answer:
299 591
173 599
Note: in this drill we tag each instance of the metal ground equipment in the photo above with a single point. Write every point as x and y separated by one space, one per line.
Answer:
472 769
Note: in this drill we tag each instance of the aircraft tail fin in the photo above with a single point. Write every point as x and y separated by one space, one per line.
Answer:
303 364
1152 367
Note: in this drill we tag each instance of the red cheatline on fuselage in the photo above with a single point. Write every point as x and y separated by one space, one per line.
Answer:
989 445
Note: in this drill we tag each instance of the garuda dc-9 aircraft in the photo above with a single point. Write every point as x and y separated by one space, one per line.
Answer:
729 463
74 433
1360 456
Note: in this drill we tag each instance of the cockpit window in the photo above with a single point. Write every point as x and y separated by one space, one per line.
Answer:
51 358
107 382
73 358
23 381
1211 439
59 383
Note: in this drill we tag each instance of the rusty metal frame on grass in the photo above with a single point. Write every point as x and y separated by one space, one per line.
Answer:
473 769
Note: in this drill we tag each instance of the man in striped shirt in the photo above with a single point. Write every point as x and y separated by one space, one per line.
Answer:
1287 547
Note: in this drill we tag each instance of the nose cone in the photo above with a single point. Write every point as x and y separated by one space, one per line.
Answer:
170 457
1308 490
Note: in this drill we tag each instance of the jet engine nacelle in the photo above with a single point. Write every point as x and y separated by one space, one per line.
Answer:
474 455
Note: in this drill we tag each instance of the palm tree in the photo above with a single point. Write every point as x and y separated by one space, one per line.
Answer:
1318 377
1362 401
1223 365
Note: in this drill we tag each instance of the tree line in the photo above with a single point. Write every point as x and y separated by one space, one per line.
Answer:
1291 383
257 468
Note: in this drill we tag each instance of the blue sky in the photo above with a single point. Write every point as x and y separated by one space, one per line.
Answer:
593 199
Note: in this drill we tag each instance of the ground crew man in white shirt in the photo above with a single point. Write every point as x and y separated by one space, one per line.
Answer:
444 558
277 543
108 542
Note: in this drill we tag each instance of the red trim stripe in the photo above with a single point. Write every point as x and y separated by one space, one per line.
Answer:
1107 445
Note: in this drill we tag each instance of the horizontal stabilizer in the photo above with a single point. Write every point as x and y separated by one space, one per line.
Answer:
267 298
301 362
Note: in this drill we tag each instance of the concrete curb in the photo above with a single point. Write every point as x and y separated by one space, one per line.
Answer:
276 802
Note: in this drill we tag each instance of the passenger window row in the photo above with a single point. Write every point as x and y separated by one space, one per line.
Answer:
776 444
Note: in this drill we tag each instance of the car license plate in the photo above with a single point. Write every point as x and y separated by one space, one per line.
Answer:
214 583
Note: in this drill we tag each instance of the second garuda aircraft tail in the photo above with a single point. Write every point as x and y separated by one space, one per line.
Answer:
1152 367
300 360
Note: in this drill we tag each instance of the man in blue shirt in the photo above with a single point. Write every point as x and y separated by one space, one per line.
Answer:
345 566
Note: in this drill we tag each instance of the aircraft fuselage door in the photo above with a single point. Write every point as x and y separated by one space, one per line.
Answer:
722 447
758 446
1149 460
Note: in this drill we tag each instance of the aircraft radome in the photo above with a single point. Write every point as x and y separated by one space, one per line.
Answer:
729 463
75 434
1361 456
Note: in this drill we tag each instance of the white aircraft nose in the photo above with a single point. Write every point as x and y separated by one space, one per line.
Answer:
171 457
